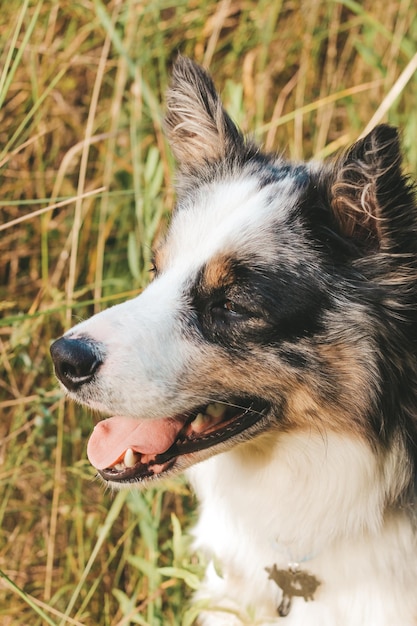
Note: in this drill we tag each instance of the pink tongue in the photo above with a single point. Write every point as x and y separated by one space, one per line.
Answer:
113 436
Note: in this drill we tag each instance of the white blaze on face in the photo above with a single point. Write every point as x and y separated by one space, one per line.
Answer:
143 353
232 217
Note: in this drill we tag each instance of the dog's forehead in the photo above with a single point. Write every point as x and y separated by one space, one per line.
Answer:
231 217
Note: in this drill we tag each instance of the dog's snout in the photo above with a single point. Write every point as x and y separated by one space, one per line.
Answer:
76 361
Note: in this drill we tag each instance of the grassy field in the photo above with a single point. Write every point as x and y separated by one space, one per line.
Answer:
86 185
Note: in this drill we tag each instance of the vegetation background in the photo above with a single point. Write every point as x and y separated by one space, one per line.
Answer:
86 185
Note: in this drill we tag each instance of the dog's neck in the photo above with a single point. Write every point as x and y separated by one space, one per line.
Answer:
301 491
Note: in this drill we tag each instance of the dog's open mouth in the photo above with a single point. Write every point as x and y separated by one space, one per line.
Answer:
123 449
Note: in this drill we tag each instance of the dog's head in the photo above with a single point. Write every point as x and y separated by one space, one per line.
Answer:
282 297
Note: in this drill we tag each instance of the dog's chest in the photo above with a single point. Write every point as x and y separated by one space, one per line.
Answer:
256 521
252 544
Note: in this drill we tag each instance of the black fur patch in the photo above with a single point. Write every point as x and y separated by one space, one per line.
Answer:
263 305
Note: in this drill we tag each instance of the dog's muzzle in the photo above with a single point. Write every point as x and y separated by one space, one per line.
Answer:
127 449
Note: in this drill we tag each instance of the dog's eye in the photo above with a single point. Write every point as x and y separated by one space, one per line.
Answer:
230 306
227 311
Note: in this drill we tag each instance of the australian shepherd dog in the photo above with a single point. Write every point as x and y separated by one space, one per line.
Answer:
274 358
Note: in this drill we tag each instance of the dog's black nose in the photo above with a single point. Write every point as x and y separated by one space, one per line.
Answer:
76 361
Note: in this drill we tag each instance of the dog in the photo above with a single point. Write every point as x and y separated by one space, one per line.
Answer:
272 357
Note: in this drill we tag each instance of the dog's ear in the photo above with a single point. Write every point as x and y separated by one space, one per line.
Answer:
368 192
198 128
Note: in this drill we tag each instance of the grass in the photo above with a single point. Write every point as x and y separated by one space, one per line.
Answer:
86 187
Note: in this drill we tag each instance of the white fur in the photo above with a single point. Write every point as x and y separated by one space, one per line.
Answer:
315 501
227 217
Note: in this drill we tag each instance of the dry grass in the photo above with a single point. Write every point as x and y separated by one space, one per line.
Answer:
81 85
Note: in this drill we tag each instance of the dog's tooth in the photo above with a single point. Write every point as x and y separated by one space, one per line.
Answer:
215 409
200 422
119 466
130 458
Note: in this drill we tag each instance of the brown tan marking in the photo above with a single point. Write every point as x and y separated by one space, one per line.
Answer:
218 273
305 404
